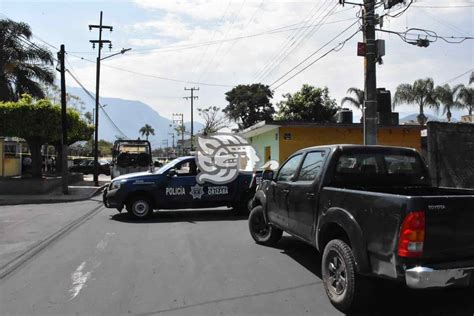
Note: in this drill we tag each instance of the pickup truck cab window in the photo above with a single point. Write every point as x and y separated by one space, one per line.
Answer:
312 165
289 168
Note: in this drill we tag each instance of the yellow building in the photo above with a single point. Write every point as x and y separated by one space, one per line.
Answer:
276 140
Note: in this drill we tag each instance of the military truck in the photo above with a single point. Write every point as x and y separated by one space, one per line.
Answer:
130 156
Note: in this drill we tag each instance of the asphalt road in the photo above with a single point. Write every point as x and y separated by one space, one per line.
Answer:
188 263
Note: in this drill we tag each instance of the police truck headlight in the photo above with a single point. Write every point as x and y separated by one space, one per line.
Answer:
115 185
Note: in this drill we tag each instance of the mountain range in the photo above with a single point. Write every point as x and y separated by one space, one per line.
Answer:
127 117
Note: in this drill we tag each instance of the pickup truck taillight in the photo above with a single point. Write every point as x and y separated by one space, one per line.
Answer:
412 235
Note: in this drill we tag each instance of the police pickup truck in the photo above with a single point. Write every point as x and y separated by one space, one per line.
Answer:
174 186
372 212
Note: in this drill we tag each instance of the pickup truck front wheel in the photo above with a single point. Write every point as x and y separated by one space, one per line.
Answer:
140 207
346 290
261 231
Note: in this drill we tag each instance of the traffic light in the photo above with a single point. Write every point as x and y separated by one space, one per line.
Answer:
390 3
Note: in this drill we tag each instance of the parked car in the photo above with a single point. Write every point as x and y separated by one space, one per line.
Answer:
87 167
174 186
372 213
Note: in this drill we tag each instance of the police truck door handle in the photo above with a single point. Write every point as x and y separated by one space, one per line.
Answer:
285 191
309 195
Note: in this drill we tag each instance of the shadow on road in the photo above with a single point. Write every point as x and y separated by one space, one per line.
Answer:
190 216
302 253
389 298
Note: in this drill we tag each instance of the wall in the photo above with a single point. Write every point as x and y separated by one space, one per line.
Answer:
451 154
263 140
11 166
301 137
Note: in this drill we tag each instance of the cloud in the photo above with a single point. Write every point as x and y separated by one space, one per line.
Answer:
241 61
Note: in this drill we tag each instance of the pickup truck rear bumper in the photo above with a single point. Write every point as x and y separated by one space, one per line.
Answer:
424 277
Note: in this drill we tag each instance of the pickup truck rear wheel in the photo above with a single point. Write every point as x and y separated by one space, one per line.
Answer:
140 207
346 290
262 232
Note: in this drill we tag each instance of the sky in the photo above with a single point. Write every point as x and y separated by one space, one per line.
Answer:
215 45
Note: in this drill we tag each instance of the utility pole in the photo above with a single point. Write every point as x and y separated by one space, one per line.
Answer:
192 97
63 162
180 120
172 136
370 78
100 43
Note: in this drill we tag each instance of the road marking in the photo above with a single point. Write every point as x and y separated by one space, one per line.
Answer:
79 279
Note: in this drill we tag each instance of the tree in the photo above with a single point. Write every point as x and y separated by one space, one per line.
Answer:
213 120
25 66
421 93
310 104
147 130
464 97
357 101
471 78
39 123
446 96
249 104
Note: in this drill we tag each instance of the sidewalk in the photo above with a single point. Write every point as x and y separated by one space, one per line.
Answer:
79 191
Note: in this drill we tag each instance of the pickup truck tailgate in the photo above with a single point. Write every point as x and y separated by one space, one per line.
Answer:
449 226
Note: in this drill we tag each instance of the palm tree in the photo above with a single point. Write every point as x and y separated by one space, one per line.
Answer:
465 99
147 130
421 93
357 101
25 66
446 96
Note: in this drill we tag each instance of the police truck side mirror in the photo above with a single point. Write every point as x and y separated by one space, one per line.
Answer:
171 173
267 175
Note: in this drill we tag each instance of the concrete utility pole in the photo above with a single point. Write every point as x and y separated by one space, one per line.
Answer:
192 97
180 120
370 81
100 43
63 162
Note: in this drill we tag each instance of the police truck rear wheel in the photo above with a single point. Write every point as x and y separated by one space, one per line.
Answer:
262 232
140 207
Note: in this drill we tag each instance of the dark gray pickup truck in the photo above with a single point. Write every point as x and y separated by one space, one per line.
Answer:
371 212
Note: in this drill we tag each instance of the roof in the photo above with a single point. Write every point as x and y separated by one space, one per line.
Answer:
265 126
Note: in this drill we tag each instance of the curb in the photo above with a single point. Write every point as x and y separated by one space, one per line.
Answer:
52 200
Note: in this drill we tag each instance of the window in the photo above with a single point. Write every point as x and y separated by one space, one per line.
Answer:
187 168
312 166
397 164
288 170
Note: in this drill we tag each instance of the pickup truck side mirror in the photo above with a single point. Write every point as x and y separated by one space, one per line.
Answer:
171 173
267 175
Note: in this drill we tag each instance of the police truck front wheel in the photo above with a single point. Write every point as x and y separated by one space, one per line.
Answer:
261 231
140 207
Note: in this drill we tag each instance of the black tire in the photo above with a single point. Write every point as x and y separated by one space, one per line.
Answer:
347 290
262 232
140 207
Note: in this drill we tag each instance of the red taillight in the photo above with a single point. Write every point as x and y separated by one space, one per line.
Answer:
412 235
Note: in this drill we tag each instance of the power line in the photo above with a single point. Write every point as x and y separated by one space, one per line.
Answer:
458 76
154 76
290 40
100 105
334 49
443 7
316 28
314 53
